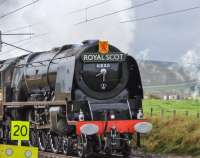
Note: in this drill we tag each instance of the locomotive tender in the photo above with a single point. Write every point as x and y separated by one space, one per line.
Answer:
85 98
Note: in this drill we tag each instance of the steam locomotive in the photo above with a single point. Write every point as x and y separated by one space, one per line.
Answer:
78 98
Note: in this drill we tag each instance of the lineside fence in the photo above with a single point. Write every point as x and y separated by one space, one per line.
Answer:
163 113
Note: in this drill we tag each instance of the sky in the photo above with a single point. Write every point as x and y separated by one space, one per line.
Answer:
170 38
52 18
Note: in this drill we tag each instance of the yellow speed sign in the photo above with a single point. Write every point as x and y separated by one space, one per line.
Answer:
20 130
11 151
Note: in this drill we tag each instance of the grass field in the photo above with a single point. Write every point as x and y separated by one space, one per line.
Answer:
178 135
181 107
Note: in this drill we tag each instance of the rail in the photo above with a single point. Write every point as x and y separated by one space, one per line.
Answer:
52 155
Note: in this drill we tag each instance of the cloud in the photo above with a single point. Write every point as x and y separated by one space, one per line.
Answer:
52 18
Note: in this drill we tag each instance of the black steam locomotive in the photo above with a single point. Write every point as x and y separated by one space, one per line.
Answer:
85 98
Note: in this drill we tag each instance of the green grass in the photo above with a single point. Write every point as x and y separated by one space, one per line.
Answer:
179 136
181 106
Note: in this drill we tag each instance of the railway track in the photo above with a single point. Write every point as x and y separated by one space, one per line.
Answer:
52 155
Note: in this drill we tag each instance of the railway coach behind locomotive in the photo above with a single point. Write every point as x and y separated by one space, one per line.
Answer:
85 98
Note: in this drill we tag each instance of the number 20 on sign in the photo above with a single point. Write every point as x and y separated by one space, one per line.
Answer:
20 130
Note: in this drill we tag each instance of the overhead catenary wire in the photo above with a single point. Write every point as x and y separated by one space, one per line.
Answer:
162 14
18 9
16 34
11 50
30 38
23 40
116 12
16 47
20 28
88 7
